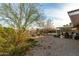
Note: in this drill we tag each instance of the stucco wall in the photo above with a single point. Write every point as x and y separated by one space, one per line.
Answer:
75 19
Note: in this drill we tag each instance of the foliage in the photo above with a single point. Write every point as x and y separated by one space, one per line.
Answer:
14 39
44 31
32 42
15 42
20 15
20 49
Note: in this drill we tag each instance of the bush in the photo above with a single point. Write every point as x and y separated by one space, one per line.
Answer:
19 50
44 31
15 42
32 42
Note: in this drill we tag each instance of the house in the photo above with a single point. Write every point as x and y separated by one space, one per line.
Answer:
74 17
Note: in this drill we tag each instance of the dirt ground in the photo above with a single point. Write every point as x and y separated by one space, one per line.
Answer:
51 46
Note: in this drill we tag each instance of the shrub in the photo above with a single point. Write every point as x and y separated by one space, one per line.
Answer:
15 42
23 47
18 50
32 42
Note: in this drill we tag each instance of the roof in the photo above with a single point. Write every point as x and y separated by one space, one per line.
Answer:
73 11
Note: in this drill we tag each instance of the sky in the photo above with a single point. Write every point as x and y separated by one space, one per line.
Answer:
58 12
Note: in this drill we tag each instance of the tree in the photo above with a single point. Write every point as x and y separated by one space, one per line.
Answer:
19 15
40 23
46 24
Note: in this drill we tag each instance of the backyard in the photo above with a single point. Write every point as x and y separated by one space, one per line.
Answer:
52 46
28 29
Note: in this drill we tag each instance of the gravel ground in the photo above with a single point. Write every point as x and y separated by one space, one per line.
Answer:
51 46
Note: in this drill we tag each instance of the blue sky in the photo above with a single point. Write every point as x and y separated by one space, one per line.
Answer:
58 12
51 5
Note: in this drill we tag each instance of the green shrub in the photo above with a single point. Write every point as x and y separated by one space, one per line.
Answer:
18 50
15 42
32 42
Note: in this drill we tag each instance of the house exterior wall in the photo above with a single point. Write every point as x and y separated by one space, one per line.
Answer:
75 19
74 16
